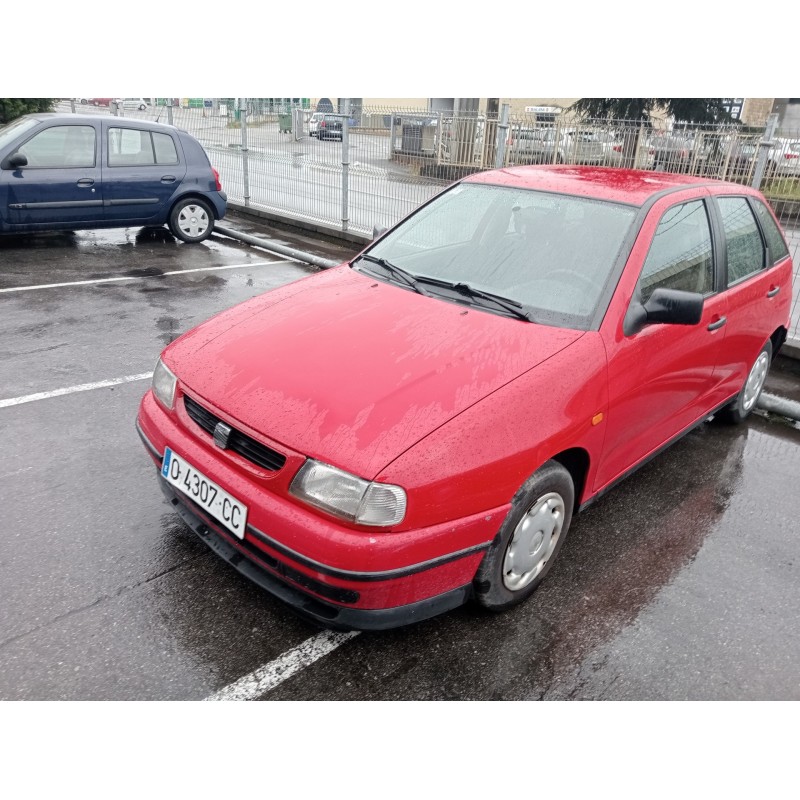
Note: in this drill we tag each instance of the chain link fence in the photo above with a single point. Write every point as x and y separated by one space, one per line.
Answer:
374 165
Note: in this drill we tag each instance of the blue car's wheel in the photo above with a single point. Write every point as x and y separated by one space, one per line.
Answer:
191 220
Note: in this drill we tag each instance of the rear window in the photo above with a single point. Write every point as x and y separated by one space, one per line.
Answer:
128 147
775 242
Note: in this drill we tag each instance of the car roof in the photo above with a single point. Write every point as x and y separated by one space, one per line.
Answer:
631 186
66 117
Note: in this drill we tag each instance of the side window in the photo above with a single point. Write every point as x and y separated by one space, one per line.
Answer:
61 146
745 248
680 256
128 147
165 149
775 241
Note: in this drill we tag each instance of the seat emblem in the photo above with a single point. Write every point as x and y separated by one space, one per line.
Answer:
221 434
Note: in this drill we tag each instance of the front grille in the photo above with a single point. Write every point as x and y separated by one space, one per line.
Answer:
238 442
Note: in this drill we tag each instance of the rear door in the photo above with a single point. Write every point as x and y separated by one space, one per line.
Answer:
61 184
757 283
143 169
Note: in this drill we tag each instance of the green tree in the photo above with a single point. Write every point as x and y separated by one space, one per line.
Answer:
706 111
11 108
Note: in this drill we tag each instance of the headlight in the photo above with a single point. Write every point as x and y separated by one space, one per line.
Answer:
164 383
347 496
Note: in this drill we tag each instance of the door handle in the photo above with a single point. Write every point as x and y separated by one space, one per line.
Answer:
168 179
773 291
86 182
718 324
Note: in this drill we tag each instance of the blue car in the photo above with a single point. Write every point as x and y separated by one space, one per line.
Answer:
78 172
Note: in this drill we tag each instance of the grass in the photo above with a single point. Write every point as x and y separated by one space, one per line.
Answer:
782 188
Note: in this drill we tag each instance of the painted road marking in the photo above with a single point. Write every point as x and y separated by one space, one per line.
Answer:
290 663
140 277
83 387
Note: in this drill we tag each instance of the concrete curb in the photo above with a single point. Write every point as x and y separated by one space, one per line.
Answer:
274 247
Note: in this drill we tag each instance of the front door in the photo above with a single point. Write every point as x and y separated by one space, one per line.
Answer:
662 379
61 183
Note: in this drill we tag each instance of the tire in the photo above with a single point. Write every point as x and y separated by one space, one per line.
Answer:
539 519
83 101
743 404
191 220
142 107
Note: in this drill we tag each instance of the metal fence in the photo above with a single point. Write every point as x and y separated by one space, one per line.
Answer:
373 166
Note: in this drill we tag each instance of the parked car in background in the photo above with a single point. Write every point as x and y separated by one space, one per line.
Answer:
329 127
313 122
84 171
132 103
614 149
101 101
677 151
784 158
554 146
386 440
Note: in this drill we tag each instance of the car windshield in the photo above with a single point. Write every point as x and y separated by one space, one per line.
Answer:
16 128
551 254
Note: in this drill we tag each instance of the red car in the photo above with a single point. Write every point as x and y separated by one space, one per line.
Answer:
384 441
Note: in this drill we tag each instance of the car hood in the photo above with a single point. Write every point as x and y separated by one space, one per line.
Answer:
351 370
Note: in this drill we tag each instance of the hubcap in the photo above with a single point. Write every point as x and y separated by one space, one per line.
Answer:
534 540
755 381
193 220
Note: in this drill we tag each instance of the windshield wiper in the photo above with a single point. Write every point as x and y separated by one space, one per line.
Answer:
465 290
398 272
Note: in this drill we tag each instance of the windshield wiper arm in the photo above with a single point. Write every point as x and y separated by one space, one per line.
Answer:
465 290
398 272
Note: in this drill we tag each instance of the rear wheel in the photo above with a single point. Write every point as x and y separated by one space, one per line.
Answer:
191 220
739 408
529 540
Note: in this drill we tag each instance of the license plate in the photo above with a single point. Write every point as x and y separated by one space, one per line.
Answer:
179 473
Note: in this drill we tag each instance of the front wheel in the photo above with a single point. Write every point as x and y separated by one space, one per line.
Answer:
191 220
739 408
529 540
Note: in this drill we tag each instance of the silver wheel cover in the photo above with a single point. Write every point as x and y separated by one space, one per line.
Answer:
193 220
755 381
534 540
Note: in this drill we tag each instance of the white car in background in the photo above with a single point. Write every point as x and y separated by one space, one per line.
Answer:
132 103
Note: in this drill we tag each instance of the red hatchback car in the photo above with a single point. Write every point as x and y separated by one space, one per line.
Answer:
381 442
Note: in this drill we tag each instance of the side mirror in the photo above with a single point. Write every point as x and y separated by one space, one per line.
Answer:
378 231
665 307
18 160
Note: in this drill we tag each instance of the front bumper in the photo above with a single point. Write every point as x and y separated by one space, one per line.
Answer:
341 578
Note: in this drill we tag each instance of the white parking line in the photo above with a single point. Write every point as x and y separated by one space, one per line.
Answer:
83 387
291 662
141 277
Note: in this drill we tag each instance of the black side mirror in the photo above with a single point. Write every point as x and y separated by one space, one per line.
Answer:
665 307
378 231
18 160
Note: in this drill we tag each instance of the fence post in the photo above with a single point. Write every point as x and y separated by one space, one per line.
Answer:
169 110
72 105
502 136
763 150
245 174
345 170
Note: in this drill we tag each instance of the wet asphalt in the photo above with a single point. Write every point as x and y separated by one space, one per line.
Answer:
682 583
